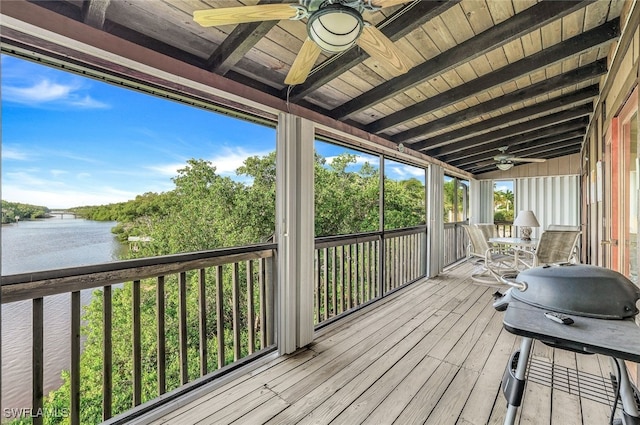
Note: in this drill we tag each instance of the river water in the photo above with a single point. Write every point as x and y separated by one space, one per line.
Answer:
44 245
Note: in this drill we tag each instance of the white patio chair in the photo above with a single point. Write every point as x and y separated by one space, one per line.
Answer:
554 247
494 263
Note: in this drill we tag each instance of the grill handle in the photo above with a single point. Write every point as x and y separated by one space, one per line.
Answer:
520 286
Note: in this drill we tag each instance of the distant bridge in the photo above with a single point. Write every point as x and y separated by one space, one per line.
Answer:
62 213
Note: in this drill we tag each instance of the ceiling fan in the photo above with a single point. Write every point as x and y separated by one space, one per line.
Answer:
505 161
333 26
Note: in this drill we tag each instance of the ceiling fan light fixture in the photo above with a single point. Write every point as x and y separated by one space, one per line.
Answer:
504 166
335 28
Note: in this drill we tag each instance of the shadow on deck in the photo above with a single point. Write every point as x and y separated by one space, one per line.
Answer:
433 353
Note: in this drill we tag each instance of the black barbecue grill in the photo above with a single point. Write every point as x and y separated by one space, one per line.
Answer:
582 308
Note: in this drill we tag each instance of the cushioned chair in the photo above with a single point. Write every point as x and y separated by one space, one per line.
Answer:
494 263
554 246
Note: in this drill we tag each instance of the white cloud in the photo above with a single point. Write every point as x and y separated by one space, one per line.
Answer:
360 160
43 91
88 103
57 173
26 178
170 170
226 162
406 171
231 159
14 153
47 92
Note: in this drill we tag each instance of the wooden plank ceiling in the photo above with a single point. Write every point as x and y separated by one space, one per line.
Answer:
520 74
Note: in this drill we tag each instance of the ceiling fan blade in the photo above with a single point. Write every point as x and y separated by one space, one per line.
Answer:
485 163
528 159
388 3
307 57
379 47
243 14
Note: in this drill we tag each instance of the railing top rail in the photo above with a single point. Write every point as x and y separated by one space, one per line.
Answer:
405 231
329 241
32 285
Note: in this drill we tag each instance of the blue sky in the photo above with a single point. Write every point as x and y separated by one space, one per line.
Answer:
69 141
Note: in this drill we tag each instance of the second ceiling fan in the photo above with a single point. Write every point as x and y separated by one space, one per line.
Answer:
505 161
333 26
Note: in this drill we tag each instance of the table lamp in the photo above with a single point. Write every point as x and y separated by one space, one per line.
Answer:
526 219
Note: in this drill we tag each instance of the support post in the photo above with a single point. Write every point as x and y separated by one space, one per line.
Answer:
295 231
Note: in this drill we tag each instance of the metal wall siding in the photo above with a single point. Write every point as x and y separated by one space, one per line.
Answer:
553 199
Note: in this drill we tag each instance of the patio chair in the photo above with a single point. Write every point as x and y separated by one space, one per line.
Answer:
554 247
494 263
489 230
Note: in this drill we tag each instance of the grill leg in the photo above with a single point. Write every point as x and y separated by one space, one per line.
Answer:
523 359
630 408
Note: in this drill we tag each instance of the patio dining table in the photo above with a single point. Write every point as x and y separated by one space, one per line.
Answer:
519 243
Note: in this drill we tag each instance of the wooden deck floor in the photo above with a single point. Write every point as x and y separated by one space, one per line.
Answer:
433 354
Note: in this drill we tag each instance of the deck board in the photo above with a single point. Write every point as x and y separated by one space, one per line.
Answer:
433 353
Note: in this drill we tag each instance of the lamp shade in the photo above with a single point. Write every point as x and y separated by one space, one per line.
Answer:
335 28
526 218
504 166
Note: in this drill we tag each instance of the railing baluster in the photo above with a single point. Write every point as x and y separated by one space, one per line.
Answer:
350 275
325 273
182 327
357 283
202 317
342 277
37 358
396 246
334 281
404 263
318 285
162 348
250 311
263 304
107 353
137 349
387 265
236 312
269 326
220 317
75 358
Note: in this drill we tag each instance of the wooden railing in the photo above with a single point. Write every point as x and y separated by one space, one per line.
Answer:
352 270
505 229
216 306
455 243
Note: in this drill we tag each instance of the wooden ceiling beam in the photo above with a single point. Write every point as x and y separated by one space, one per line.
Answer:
394 27
238 43
513 28
138 38
563 102
551 130
578 75
605 33
94 12
453 151
526 149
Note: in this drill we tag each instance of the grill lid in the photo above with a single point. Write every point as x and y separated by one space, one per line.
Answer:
579 289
